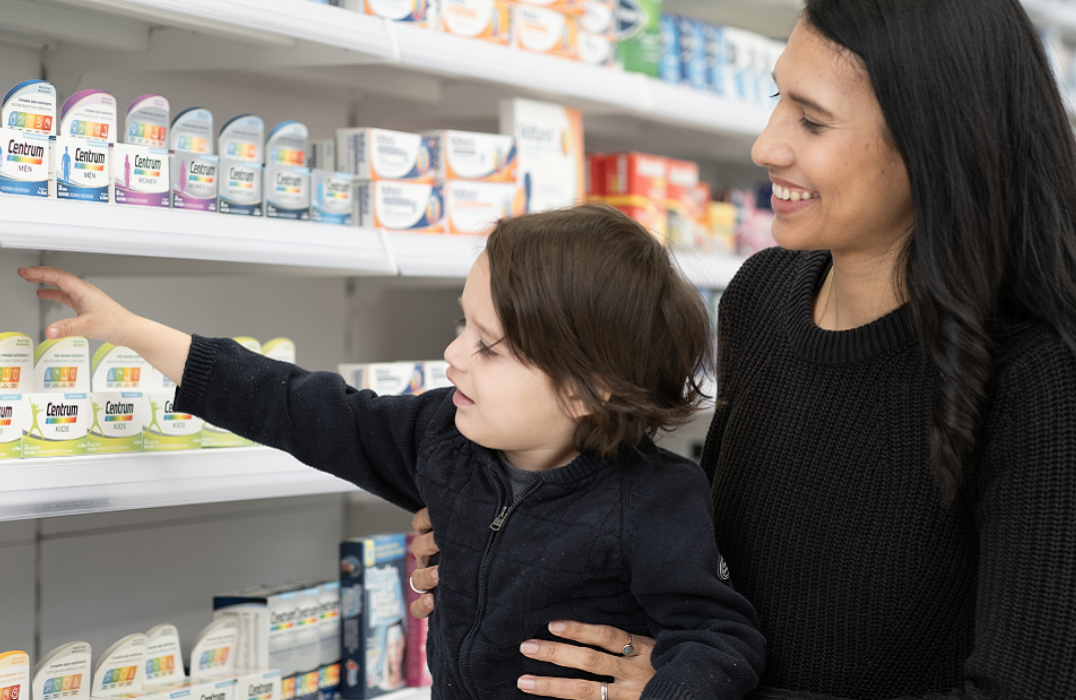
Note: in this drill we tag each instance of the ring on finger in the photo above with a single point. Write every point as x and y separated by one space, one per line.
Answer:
628 648
411 582
605 691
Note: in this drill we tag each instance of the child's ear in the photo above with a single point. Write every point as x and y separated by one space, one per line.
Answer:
577 407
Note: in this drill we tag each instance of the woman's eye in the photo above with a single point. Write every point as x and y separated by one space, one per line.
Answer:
775 96
813 127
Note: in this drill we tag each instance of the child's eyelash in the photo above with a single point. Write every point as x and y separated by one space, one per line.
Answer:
485 350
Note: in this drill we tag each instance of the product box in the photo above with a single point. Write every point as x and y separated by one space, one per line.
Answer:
572 7
386 378
194 181
474 208
487 20
682 190
599 18
307 649
595 173
331 201
30 106
79 164
639 36
287 179
418 13
322 154
467 155
549 138
120 671
717 79
164 429
329 645
215 652
62 365
597 49
693 53
10 426
207 690
147 122
721 218
164 658
241 149
436 375
139 175
418 669
115 422
24 169
407 207
282 349
267 616
382 154
738 73
118 368
637 184
14 675
55 424
669 69
374 613
259 685
63 673
16 363
550 32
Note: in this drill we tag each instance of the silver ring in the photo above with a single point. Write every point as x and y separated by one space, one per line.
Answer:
605 691
628 648
411 583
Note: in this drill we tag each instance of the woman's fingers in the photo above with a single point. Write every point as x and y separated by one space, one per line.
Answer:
567 688
609 638
423 606
420 522
425 579
423 547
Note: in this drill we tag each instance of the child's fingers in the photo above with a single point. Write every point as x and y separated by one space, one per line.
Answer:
68 327
56 295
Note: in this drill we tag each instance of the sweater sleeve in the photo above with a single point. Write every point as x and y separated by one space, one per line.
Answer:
360 437
708 643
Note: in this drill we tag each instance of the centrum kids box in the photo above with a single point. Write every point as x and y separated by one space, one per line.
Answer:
488 20
79 163
116 402
382 154
467 155
241 148
63 673
16 362
373 609
29 115
120 670
10 426
194 167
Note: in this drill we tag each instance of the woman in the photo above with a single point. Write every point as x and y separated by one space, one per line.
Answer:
894 450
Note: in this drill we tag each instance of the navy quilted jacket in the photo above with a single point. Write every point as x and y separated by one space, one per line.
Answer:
629 544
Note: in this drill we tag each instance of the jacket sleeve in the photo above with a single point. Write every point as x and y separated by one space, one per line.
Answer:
371 441
708 643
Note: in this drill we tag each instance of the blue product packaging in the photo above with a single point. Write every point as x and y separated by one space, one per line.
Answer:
693 53
374 613
669 61
715 59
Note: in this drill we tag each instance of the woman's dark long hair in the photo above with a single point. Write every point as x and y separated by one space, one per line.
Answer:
972 106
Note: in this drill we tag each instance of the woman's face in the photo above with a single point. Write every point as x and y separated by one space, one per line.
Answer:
838 184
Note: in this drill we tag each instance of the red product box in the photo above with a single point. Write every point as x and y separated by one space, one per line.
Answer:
418 670
596 174
637 184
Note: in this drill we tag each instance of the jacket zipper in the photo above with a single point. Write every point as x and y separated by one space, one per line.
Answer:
495 527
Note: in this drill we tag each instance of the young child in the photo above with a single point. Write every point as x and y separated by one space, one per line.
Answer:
548 498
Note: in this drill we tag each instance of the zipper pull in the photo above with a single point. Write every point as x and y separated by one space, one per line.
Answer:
499 520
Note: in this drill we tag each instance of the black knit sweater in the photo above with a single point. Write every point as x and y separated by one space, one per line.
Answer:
867 584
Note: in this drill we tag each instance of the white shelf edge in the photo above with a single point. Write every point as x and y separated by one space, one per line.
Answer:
51 487
43 224
434 255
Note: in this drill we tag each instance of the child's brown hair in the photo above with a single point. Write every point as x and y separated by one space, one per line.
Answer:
592 299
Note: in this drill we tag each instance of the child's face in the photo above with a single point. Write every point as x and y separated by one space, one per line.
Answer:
502 403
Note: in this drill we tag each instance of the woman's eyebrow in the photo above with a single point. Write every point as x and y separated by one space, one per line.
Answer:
795 97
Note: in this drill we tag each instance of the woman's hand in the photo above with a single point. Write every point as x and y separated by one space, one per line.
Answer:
630 673
424 578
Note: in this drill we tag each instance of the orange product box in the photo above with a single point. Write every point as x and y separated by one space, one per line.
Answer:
570 7
637 184
473 208
418 13
550 32
681 195
487 20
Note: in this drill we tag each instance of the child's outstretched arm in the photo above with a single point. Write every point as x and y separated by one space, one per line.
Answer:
101 318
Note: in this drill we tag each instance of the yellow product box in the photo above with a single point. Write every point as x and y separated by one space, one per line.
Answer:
722 224
487 20
418 13
473 208
63 365
16 362
10 426
115 422
468 155
540 30
54 424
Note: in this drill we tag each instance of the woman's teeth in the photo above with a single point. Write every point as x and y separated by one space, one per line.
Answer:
793 195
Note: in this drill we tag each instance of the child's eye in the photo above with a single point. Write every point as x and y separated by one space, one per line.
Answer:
485 350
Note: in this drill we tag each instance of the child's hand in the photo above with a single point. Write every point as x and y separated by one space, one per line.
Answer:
99 317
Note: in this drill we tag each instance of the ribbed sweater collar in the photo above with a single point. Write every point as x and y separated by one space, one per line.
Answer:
891 332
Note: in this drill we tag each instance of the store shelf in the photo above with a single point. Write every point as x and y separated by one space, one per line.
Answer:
709 271
425 255
38 488
38 224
